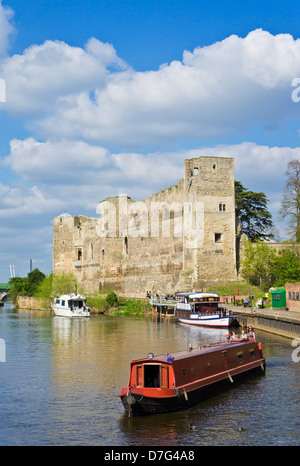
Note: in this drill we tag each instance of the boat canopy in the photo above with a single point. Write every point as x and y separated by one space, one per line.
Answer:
198 295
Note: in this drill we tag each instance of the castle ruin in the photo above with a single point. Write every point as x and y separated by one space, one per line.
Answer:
179 239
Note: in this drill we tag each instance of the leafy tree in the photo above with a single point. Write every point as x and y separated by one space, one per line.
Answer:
63 283
290 204
25 286
263 267
251 209
44 289
258 264
287 267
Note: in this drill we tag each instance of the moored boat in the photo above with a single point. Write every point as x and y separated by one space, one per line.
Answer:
201 309
70 305
178 380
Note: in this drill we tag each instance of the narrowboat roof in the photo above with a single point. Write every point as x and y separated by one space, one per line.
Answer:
185 354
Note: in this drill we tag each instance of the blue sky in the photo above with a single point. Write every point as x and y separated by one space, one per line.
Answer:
101 93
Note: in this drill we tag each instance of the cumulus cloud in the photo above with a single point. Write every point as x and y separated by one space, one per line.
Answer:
92 94
6 28
55 162
79 174
43 74
214 91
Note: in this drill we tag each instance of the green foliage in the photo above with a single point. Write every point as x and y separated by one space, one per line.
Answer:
131 306
263 267
64 283
97 302
287 267
44 290
25 286
251 209
112 299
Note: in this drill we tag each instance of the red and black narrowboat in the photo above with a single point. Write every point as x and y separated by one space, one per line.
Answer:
169 382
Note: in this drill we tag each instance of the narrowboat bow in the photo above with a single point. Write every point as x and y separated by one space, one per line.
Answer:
169 382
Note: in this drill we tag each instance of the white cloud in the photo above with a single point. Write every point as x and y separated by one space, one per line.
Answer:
76 174
91 94
37 79
6 28
214 91
64 162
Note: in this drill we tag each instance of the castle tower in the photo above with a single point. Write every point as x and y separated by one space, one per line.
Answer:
209 248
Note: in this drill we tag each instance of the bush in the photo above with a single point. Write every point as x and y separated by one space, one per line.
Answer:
112 299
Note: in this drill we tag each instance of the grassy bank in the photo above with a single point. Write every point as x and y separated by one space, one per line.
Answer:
116 305
231 290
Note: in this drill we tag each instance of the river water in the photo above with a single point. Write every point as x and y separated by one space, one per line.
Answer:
60 378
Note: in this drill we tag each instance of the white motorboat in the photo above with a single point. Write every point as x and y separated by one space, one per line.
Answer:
70 305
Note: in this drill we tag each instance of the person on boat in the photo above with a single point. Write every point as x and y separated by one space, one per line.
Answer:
243 335
251 334
234 336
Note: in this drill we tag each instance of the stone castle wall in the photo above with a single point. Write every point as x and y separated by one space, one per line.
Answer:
181 238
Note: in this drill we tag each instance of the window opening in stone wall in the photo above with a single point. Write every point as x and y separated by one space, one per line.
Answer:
214 167
222 207
196 170
126 244
79 254
218 237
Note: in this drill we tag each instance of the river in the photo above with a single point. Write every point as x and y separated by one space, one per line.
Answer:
60 379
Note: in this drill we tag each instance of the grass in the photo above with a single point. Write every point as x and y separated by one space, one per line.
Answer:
230 289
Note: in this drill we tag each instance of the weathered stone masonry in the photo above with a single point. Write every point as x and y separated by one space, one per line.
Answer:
181 238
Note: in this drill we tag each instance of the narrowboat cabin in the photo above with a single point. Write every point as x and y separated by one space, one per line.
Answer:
201 309
169 382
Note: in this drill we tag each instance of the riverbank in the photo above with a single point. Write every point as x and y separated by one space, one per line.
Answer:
97 305
277 321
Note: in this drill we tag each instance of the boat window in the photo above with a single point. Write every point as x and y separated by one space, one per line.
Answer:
240 356
151 375
58 301
62 302
252 353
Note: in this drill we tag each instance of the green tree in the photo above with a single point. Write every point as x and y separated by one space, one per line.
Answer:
63 283
287 267
251 210
258 264
25 286
44 289
290 204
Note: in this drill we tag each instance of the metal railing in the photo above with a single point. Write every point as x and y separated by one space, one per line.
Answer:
162 301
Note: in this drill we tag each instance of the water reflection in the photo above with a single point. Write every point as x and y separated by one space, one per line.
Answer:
62 377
